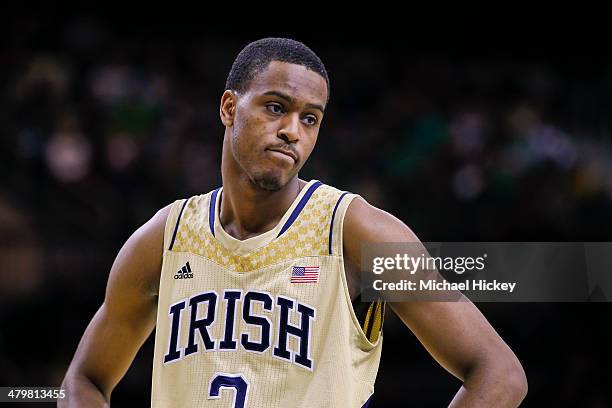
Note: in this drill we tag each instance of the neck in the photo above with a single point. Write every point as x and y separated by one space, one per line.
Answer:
247 210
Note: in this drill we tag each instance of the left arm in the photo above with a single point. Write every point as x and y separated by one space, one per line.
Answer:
456 334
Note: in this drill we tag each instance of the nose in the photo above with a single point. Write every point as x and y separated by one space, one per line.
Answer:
290 128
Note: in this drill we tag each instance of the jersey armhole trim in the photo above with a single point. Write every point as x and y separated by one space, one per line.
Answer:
339 237
331 225
370 345
178 220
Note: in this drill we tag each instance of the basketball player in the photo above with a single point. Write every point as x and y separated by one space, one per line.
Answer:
253 288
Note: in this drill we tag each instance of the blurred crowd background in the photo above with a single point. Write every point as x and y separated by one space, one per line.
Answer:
102 125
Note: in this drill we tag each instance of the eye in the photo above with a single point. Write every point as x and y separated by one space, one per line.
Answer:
310 120
275 108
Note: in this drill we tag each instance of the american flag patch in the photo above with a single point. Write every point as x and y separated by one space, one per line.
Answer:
305 274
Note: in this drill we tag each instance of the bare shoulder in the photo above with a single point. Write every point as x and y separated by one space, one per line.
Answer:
150 243
150 235
364 223
140 259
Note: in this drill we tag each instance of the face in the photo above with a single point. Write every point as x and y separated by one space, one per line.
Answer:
273 125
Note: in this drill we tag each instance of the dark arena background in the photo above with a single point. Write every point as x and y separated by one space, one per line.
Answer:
104 120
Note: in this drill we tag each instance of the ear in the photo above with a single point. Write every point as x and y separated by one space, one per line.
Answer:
227 110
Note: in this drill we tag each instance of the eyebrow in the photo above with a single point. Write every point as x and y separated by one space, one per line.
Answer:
291 100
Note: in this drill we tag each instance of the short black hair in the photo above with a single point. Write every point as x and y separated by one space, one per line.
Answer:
256 57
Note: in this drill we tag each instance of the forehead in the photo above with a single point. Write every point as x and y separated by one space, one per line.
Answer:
294 80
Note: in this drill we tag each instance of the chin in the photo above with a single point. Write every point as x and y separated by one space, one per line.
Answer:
269 182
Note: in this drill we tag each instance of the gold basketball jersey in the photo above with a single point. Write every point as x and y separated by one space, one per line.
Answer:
266 322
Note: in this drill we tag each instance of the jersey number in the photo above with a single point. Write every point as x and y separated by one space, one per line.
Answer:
235 381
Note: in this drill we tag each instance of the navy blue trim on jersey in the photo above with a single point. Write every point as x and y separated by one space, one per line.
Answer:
178 220
331 227
211 211
368 402
299 207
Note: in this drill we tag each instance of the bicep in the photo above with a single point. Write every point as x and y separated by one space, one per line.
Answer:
127 315
109 345
456 334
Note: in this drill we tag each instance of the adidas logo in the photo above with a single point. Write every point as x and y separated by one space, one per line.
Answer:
184 272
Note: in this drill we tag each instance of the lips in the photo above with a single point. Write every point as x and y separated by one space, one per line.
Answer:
285 152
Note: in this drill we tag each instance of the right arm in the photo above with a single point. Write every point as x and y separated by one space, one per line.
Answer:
123 322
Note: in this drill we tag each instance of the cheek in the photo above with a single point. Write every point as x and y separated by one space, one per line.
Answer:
311 141
252 130
248 140
243 133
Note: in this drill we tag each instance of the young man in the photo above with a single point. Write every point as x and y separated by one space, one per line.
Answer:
252 285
